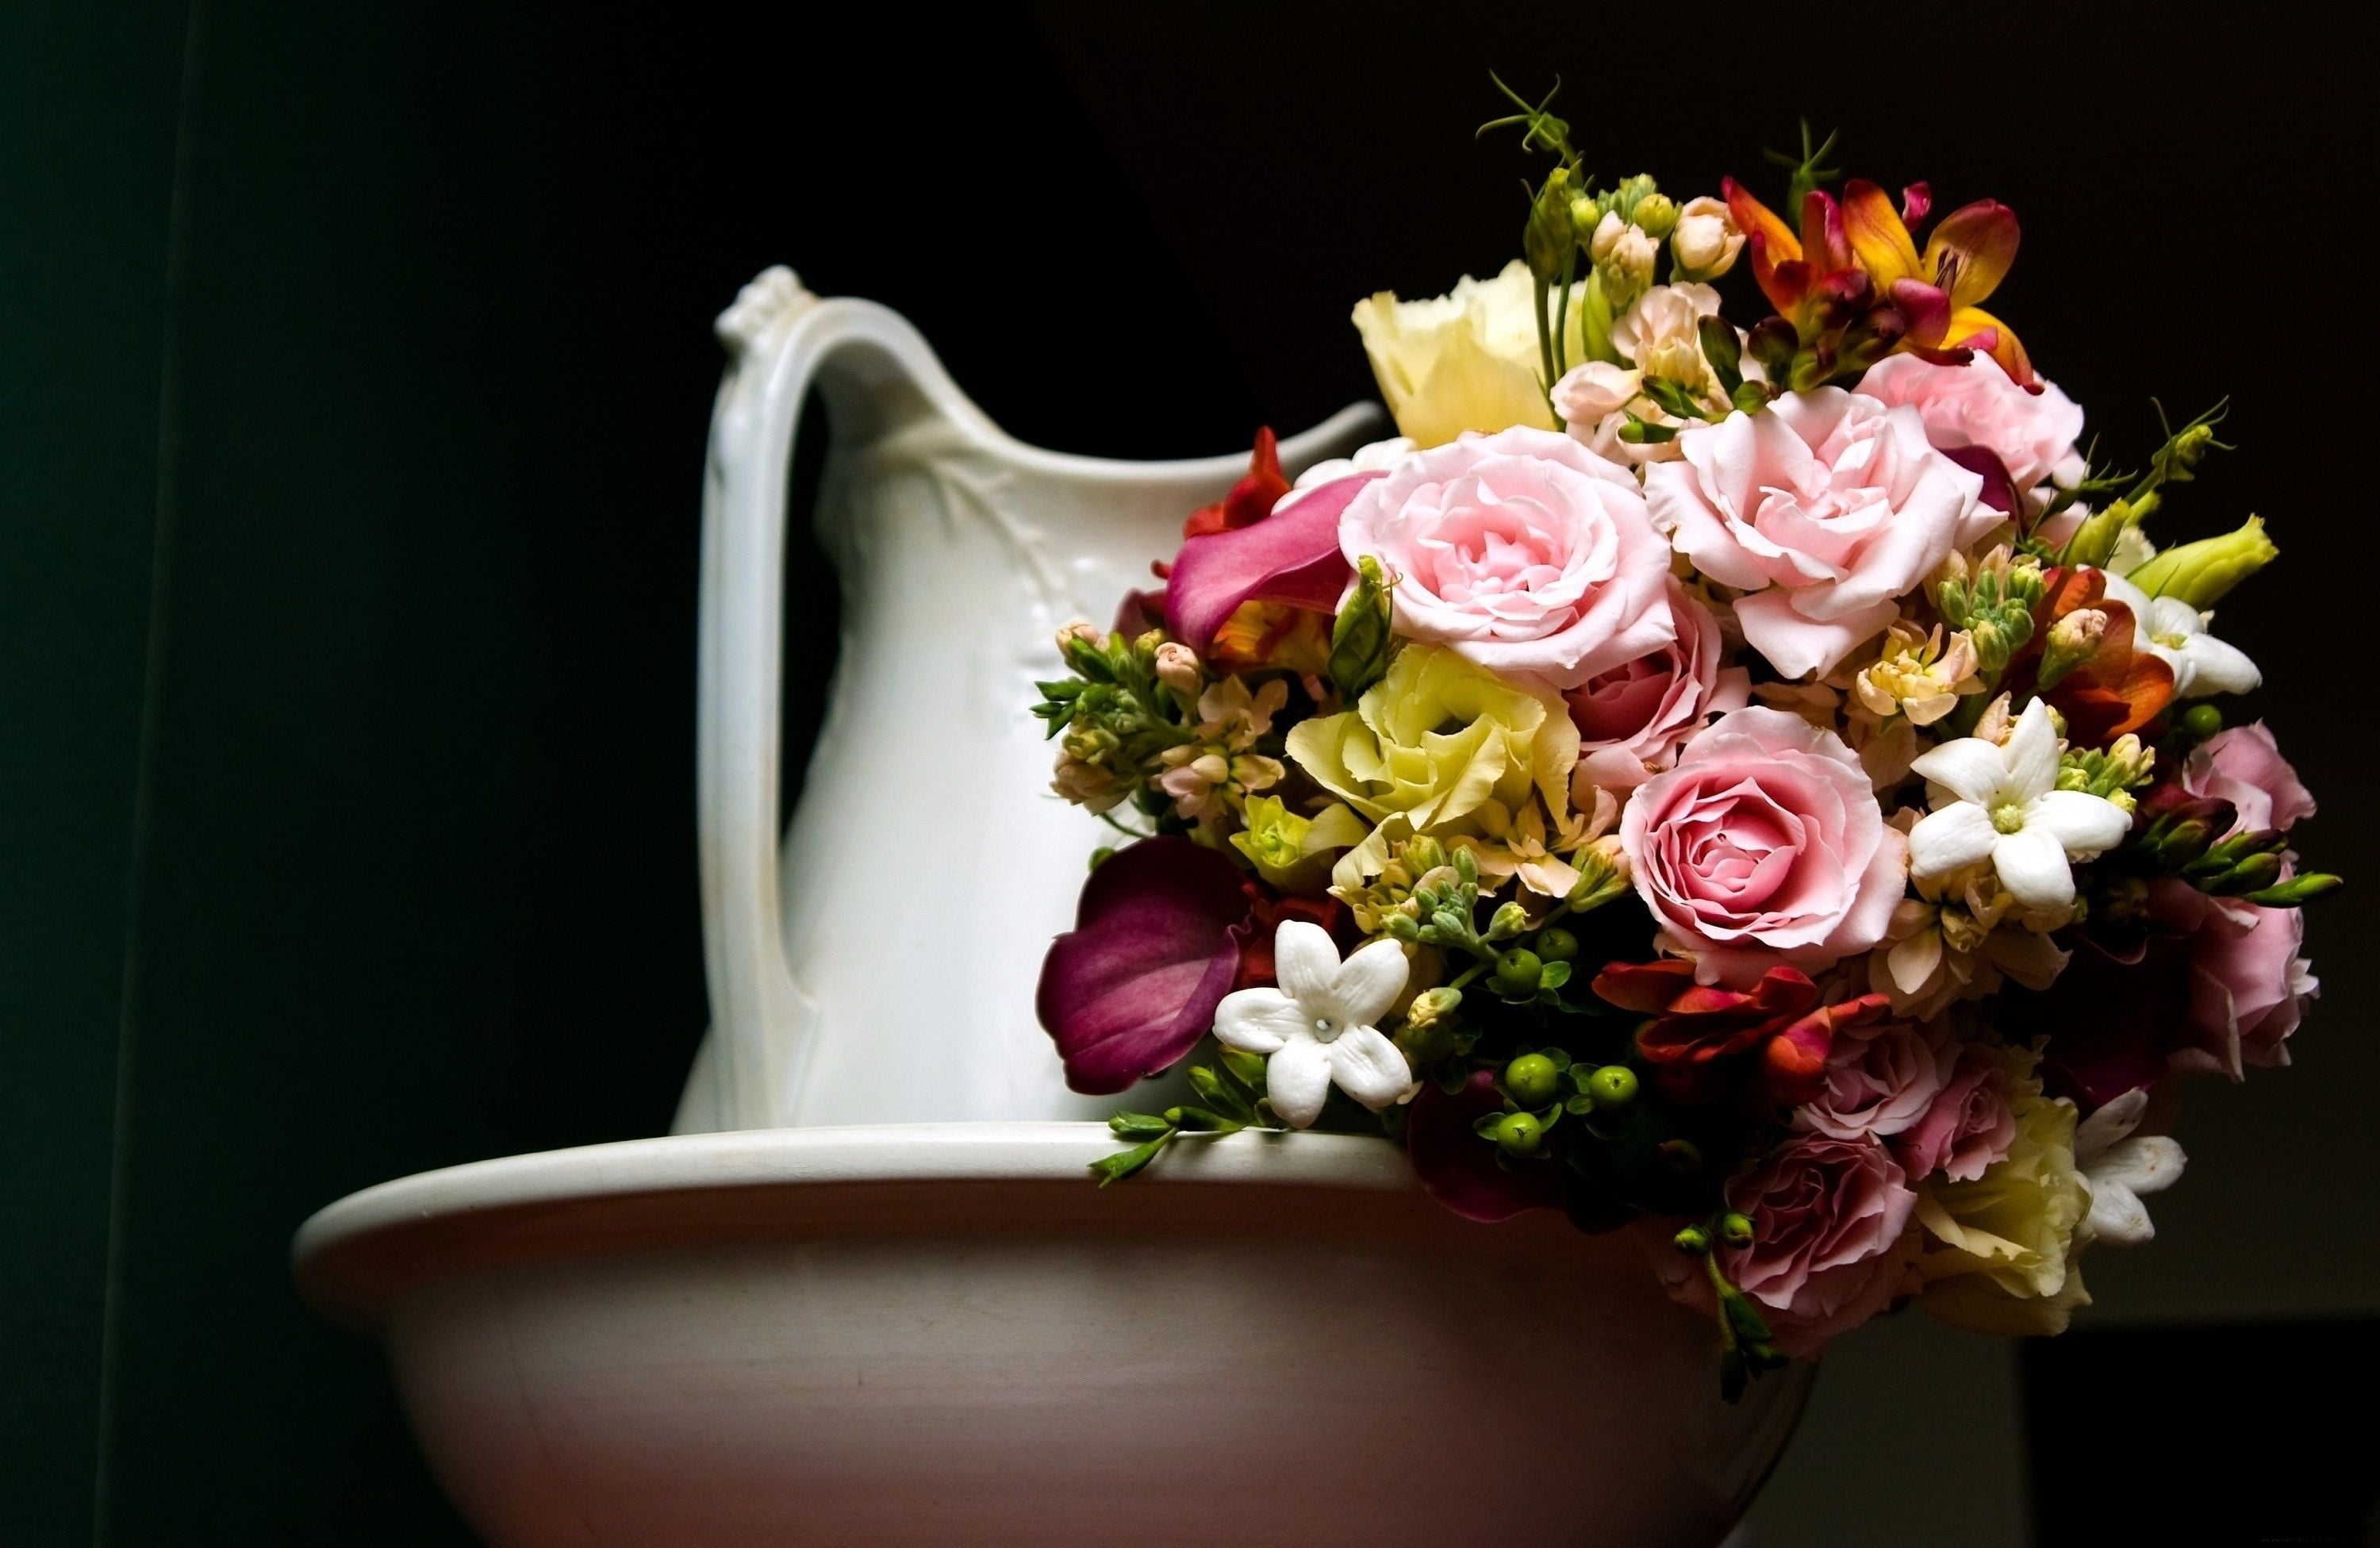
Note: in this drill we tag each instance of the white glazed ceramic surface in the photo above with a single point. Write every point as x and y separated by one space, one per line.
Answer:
884 972
942 1333
945 1336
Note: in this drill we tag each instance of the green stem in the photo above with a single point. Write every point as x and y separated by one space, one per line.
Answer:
1545 340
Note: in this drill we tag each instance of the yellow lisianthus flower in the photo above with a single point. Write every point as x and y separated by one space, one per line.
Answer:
2001 1248
1430 746
1469 360
1290 851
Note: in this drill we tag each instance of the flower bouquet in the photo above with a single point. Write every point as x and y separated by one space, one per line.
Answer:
1758 782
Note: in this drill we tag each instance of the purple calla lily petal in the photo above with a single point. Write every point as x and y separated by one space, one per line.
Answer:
1290 556
1458 1169
1155 947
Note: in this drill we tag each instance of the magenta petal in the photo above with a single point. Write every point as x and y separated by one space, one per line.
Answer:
1458 1169
1999 490
1155 947
1925 309
1290 556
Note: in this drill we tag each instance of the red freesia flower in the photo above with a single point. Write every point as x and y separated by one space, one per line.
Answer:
1251 499
1698 1032
2119 689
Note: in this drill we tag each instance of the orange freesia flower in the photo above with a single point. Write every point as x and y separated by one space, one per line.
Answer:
1940 290
2119 689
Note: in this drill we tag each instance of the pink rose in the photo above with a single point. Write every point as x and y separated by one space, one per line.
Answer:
1827 506
1880 1079
1633 718
1832 1244
2248 983
1765 844
1977 407
2244 766
2248 987
1968 1126
1521 550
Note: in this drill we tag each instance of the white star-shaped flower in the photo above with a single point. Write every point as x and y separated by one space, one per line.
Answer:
1318 1026
2003 804
2175 633
2120 1166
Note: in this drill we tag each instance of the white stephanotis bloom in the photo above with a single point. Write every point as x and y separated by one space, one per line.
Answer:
2175 633
2002 803
2120 1166
1318 1026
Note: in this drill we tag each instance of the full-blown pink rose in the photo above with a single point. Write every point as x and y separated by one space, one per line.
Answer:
1521 550
1977 405
1880 1079
2248 982
1827 506
1968 1126
1633 719
1765 844
1831 1242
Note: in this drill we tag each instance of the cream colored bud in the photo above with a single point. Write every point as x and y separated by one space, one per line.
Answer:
1588 393
1607 235
1177 668
1705 243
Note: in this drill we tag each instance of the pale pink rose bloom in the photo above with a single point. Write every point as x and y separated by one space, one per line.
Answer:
2244 766
1522 550
1827 506
1968 1126
1880 1079
1763 845
1975 405
2248 982
1633 718
1832 1241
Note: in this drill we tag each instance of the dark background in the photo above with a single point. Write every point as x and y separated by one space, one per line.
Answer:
354 371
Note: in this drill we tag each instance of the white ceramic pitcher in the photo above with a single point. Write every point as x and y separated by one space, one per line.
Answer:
880 966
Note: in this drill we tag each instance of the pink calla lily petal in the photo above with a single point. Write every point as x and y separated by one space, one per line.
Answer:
1290 556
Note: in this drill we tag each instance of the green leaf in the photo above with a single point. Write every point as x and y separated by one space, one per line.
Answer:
1247 1069
1553 975
1123 1163
1579 1106
1139 1126
1219 1096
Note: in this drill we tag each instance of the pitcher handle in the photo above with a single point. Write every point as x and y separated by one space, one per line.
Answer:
778 337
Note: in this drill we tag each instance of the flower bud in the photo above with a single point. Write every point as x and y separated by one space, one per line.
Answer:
1433 1007
1607 235
1588 392
2074 639
1508 920
1360 638
1626 267
1547 239
1177 668
1602 874
1705 242
2201 573
1735 1229
1680 1155
1694 1241
1656 215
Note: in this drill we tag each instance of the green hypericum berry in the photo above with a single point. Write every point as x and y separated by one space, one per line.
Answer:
1612 1085
1557 945
1100 855
1531 1079
2202 721
1518 1133
1517 971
